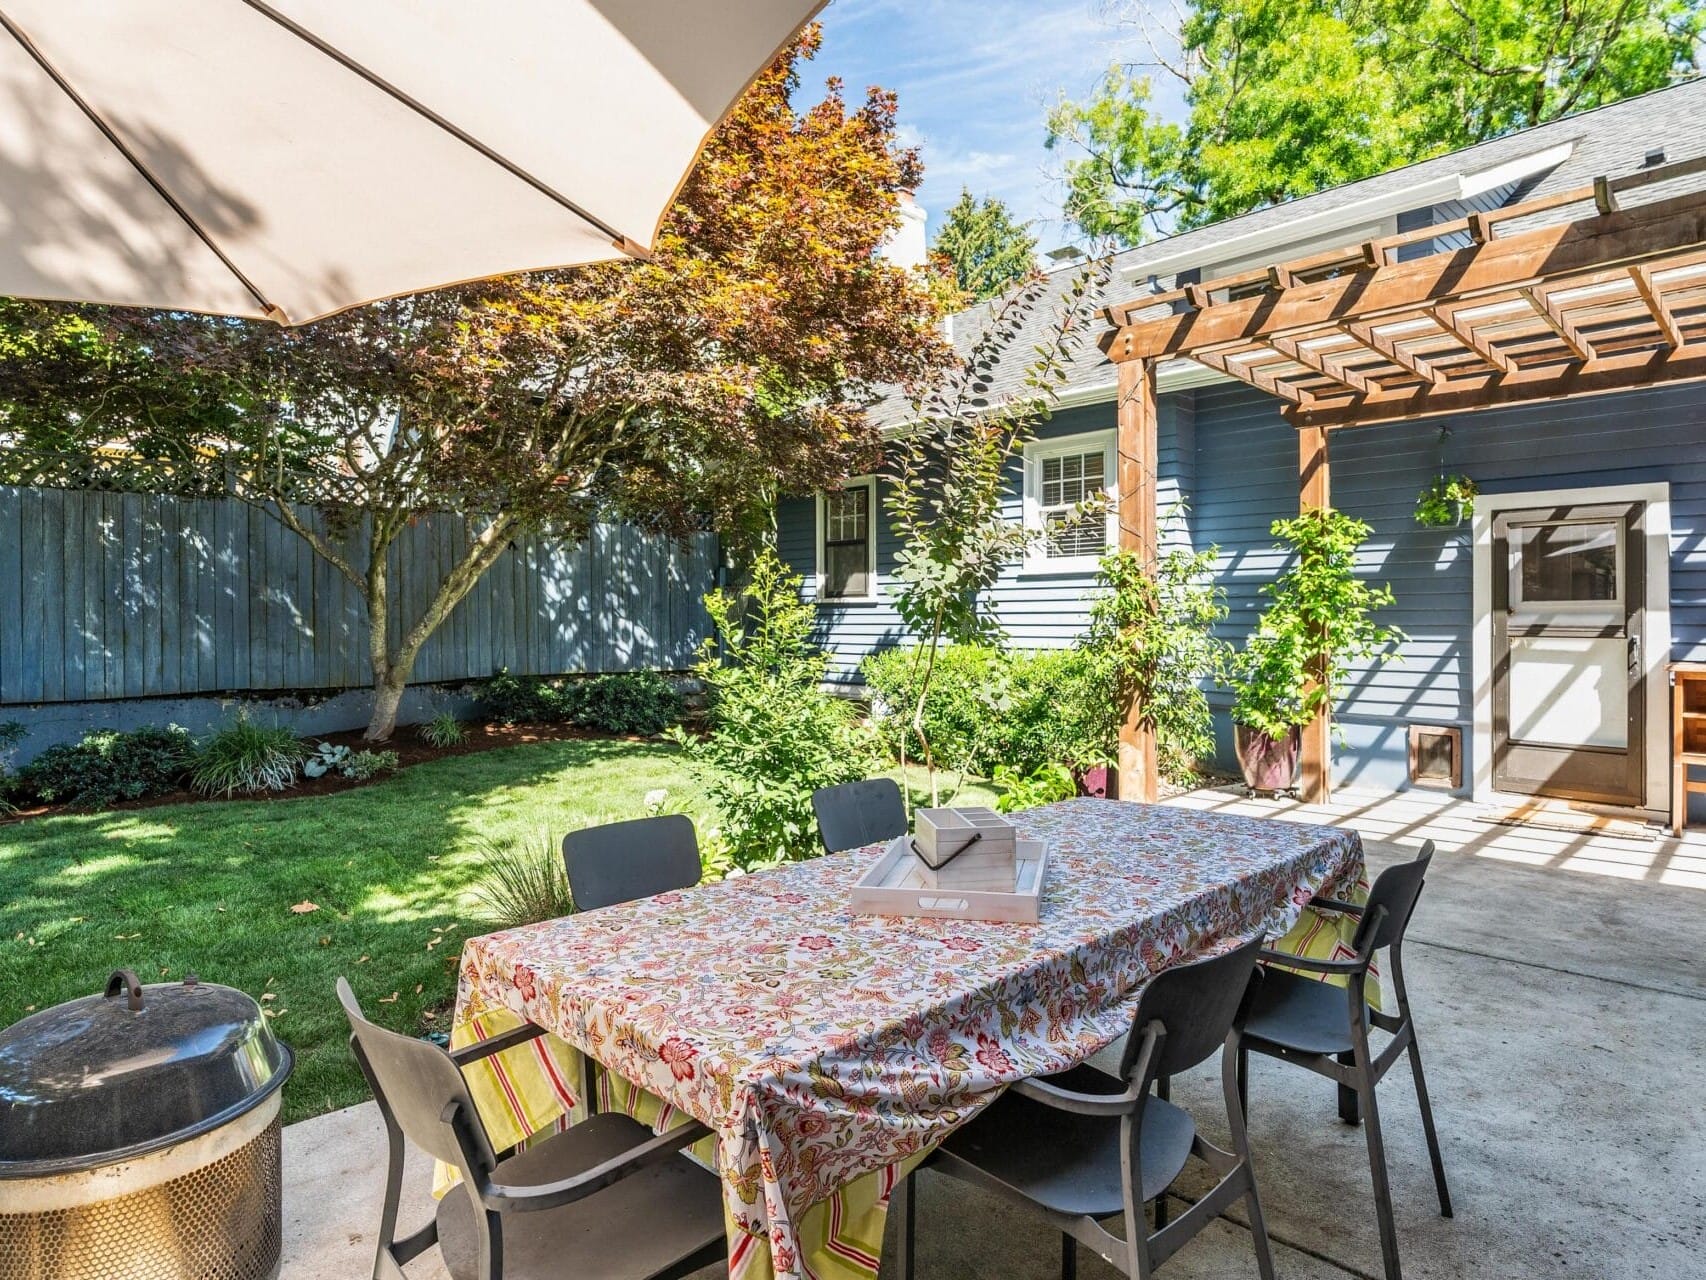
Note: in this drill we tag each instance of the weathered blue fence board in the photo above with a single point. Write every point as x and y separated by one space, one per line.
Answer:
122 595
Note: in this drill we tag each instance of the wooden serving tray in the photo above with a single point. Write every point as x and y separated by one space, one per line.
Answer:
895 886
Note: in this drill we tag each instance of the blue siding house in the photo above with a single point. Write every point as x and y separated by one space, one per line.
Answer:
1226 451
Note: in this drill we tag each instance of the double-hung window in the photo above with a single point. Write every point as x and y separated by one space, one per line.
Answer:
1060 476
847 542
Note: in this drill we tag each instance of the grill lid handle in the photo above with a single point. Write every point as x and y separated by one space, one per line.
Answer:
127 981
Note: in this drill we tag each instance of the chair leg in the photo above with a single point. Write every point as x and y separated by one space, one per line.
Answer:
1258 1230
1068 1257
908 1193
1244 1083
1348 1095
1428 1127
1377 1170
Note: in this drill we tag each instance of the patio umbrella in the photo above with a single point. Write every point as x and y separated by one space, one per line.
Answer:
287 160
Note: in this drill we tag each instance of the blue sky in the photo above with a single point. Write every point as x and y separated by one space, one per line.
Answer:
975 78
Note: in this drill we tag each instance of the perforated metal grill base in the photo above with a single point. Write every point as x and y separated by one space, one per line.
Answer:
220 1222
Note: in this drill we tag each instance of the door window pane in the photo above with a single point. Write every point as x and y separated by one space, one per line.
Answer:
1566 563
1569 691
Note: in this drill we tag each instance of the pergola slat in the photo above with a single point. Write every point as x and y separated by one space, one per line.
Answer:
1656 306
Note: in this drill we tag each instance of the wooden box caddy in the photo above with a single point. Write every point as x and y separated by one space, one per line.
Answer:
972 848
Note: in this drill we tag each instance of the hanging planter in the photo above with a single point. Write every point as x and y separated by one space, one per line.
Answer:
1447 502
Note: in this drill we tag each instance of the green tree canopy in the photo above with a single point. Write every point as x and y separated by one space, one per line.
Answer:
983 247
1289 97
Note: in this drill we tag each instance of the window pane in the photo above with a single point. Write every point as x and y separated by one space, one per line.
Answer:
1568 562
846 571
1066 481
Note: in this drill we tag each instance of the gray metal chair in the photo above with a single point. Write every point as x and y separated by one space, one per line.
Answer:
1324 1028
623 861
605 1198
1078 1148
855 814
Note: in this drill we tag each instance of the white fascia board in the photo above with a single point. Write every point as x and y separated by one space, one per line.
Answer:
1308 227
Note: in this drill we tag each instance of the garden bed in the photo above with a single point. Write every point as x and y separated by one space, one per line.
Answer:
406 742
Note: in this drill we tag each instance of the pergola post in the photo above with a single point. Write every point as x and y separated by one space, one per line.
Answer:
1313 491
1139 772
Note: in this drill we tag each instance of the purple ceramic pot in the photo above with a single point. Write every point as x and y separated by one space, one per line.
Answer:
1095 781
1269 764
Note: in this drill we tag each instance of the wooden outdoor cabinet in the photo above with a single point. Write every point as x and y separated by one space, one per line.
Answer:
1688 737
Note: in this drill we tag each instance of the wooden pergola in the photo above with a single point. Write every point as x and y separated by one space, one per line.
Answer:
1494 309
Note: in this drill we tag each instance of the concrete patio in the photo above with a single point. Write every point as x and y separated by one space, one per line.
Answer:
1561 998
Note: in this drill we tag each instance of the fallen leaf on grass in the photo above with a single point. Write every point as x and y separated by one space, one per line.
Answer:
267 995
390 999
418 987
303 908
363 960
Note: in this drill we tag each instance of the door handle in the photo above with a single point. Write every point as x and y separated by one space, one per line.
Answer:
1635 655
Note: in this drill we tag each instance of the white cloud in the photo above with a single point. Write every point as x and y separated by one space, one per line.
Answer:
975 81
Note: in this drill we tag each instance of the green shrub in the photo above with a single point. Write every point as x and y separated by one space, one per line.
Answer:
511 699
987 708
523 882
962 714
1055 713
244 758
442 731
624 702
1043 785
107 766
363 765
775 735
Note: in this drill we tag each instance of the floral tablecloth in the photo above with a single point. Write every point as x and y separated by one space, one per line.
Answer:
828 1050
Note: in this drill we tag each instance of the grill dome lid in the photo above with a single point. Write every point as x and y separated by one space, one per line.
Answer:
114 1076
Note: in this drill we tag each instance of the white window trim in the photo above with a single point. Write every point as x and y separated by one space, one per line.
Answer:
870 483
1037 561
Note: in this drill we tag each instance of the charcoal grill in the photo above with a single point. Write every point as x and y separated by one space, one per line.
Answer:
139 1137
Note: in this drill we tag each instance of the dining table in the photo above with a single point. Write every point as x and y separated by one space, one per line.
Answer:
829 1052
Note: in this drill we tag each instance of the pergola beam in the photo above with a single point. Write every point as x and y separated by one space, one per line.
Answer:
1521 386
1547 311
1662 315
1542 256
1446 318
1376 342
1294 350
1138 447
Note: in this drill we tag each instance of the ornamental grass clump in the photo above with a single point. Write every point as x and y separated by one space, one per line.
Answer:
245 758
443 731
523 882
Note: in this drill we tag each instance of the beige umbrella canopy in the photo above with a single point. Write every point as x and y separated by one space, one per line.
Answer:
290 159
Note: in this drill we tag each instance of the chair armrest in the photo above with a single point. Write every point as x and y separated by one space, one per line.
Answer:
1348 968
1084 1104
497 1044
553 1195
1335 904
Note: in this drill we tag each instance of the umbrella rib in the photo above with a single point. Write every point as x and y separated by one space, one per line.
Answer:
107 131
624 243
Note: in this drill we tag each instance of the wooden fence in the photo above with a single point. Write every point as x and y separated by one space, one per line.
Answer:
128 595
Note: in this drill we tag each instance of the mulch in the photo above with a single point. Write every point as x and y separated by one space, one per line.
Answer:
405 742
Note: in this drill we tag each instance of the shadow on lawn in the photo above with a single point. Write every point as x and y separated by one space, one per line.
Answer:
212 887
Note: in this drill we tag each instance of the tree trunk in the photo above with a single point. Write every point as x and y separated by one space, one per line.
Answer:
387 697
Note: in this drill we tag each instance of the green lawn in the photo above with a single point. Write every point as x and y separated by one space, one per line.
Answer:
210 887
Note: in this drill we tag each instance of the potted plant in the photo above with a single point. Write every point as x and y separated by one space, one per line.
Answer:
1269 709
1317 622
1447 502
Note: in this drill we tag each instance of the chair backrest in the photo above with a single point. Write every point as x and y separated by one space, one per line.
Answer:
1396 889
622 861
855 814
415 1081
1197 1003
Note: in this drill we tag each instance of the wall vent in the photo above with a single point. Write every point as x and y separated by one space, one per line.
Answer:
1436 756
